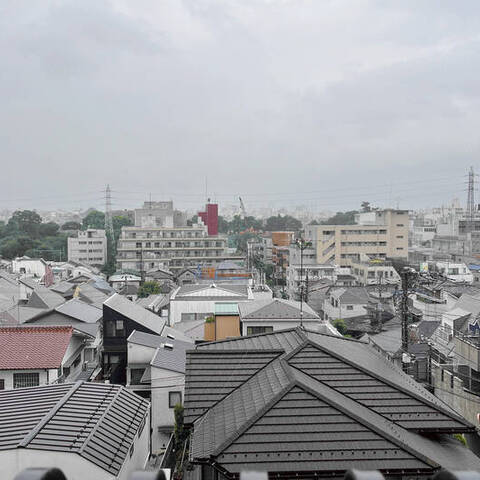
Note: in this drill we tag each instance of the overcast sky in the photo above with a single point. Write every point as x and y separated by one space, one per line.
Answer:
314 102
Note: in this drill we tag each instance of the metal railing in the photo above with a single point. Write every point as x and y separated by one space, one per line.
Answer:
164 474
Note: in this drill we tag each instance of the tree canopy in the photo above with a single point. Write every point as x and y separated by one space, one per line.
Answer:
25 234
150 287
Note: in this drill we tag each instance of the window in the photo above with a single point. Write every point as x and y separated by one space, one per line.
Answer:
2 384
349 307
138 245
174 398
115 328
257 330
21 380
136 375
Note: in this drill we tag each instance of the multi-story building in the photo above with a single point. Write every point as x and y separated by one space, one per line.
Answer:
89 247
281 242
378 234
374 272
143 249
157 241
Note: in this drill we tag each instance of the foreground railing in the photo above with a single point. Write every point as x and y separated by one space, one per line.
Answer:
164 474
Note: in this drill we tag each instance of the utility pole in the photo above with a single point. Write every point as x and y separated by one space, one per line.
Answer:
302 245
405 276
471 201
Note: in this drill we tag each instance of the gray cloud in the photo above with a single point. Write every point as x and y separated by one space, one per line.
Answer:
320 103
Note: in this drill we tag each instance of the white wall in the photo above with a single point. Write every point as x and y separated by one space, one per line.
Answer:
45 376
163 382
32 267
73 465
139 354
279 324
341 311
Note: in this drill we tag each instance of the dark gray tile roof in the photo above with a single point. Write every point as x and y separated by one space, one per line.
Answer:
98 422
322 403
43 297
212 375
63 287
172 359
89 294
351 295
80 311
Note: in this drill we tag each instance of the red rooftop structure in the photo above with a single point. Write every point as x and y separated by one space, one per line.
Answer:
33 347
210 218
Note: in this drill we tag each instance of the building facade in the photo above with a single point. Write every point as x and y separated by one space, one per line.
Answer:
89 247
144 248
378 234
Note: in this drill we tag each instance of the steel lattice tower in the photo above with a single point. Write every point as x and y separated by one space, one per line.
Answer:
471 200
108 214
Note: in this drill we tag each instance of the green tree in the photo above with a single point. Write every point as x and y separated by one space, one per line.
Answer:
26 222
340 325
149 288
71 226
94 219
48 229
119 222
223 225
180 433
341 218
16 246
282 222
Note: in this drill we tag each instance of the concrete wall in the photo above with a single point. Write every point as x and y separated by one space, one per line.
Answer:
341 311
73 465
139 354
278 324
463 402
163 382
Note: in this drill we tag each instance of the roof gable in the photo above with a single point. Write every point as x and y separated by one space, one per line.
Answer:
97 421
303 426
384 397
211 291
279 309
39 347
211 376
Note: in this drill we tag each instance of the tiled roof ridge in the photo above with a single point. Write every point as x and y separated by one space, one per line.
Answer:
342 406
33 328
49 415
392 384
275 398
234 339
267 364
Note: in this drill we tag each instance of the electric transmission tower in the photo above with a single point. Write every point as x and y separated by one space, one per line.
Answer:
108 214
471 200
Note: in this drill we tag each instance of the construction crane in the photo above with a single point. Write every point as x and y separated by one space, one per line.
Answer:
242 208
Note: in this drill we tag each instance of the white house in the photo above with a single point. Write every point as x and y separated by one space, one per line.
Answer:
29 267
38 355
119 280
196 302
264 316
90 431
308 274
345 302
156 370
456 272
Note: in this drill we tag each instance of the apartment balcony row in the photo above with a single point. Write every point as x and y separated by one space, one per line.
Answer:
160 249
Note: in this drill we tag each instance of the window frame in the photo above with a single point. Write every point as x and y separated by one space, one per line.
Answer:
170 397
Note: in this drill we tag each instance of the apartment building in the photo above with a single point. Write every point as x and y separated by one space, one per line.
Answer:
143 248
89 247
281 242
377 234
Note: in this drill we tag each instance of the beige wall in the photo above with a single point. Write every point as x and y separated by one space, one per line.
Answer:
389 239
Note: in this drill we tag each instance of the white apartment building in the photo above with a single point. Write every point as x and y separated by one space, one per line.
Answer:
309 275
89 247
378 234
175 248
374 272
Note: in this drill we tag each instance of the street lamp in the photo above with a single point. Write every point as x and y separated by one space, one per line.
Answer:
302 244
